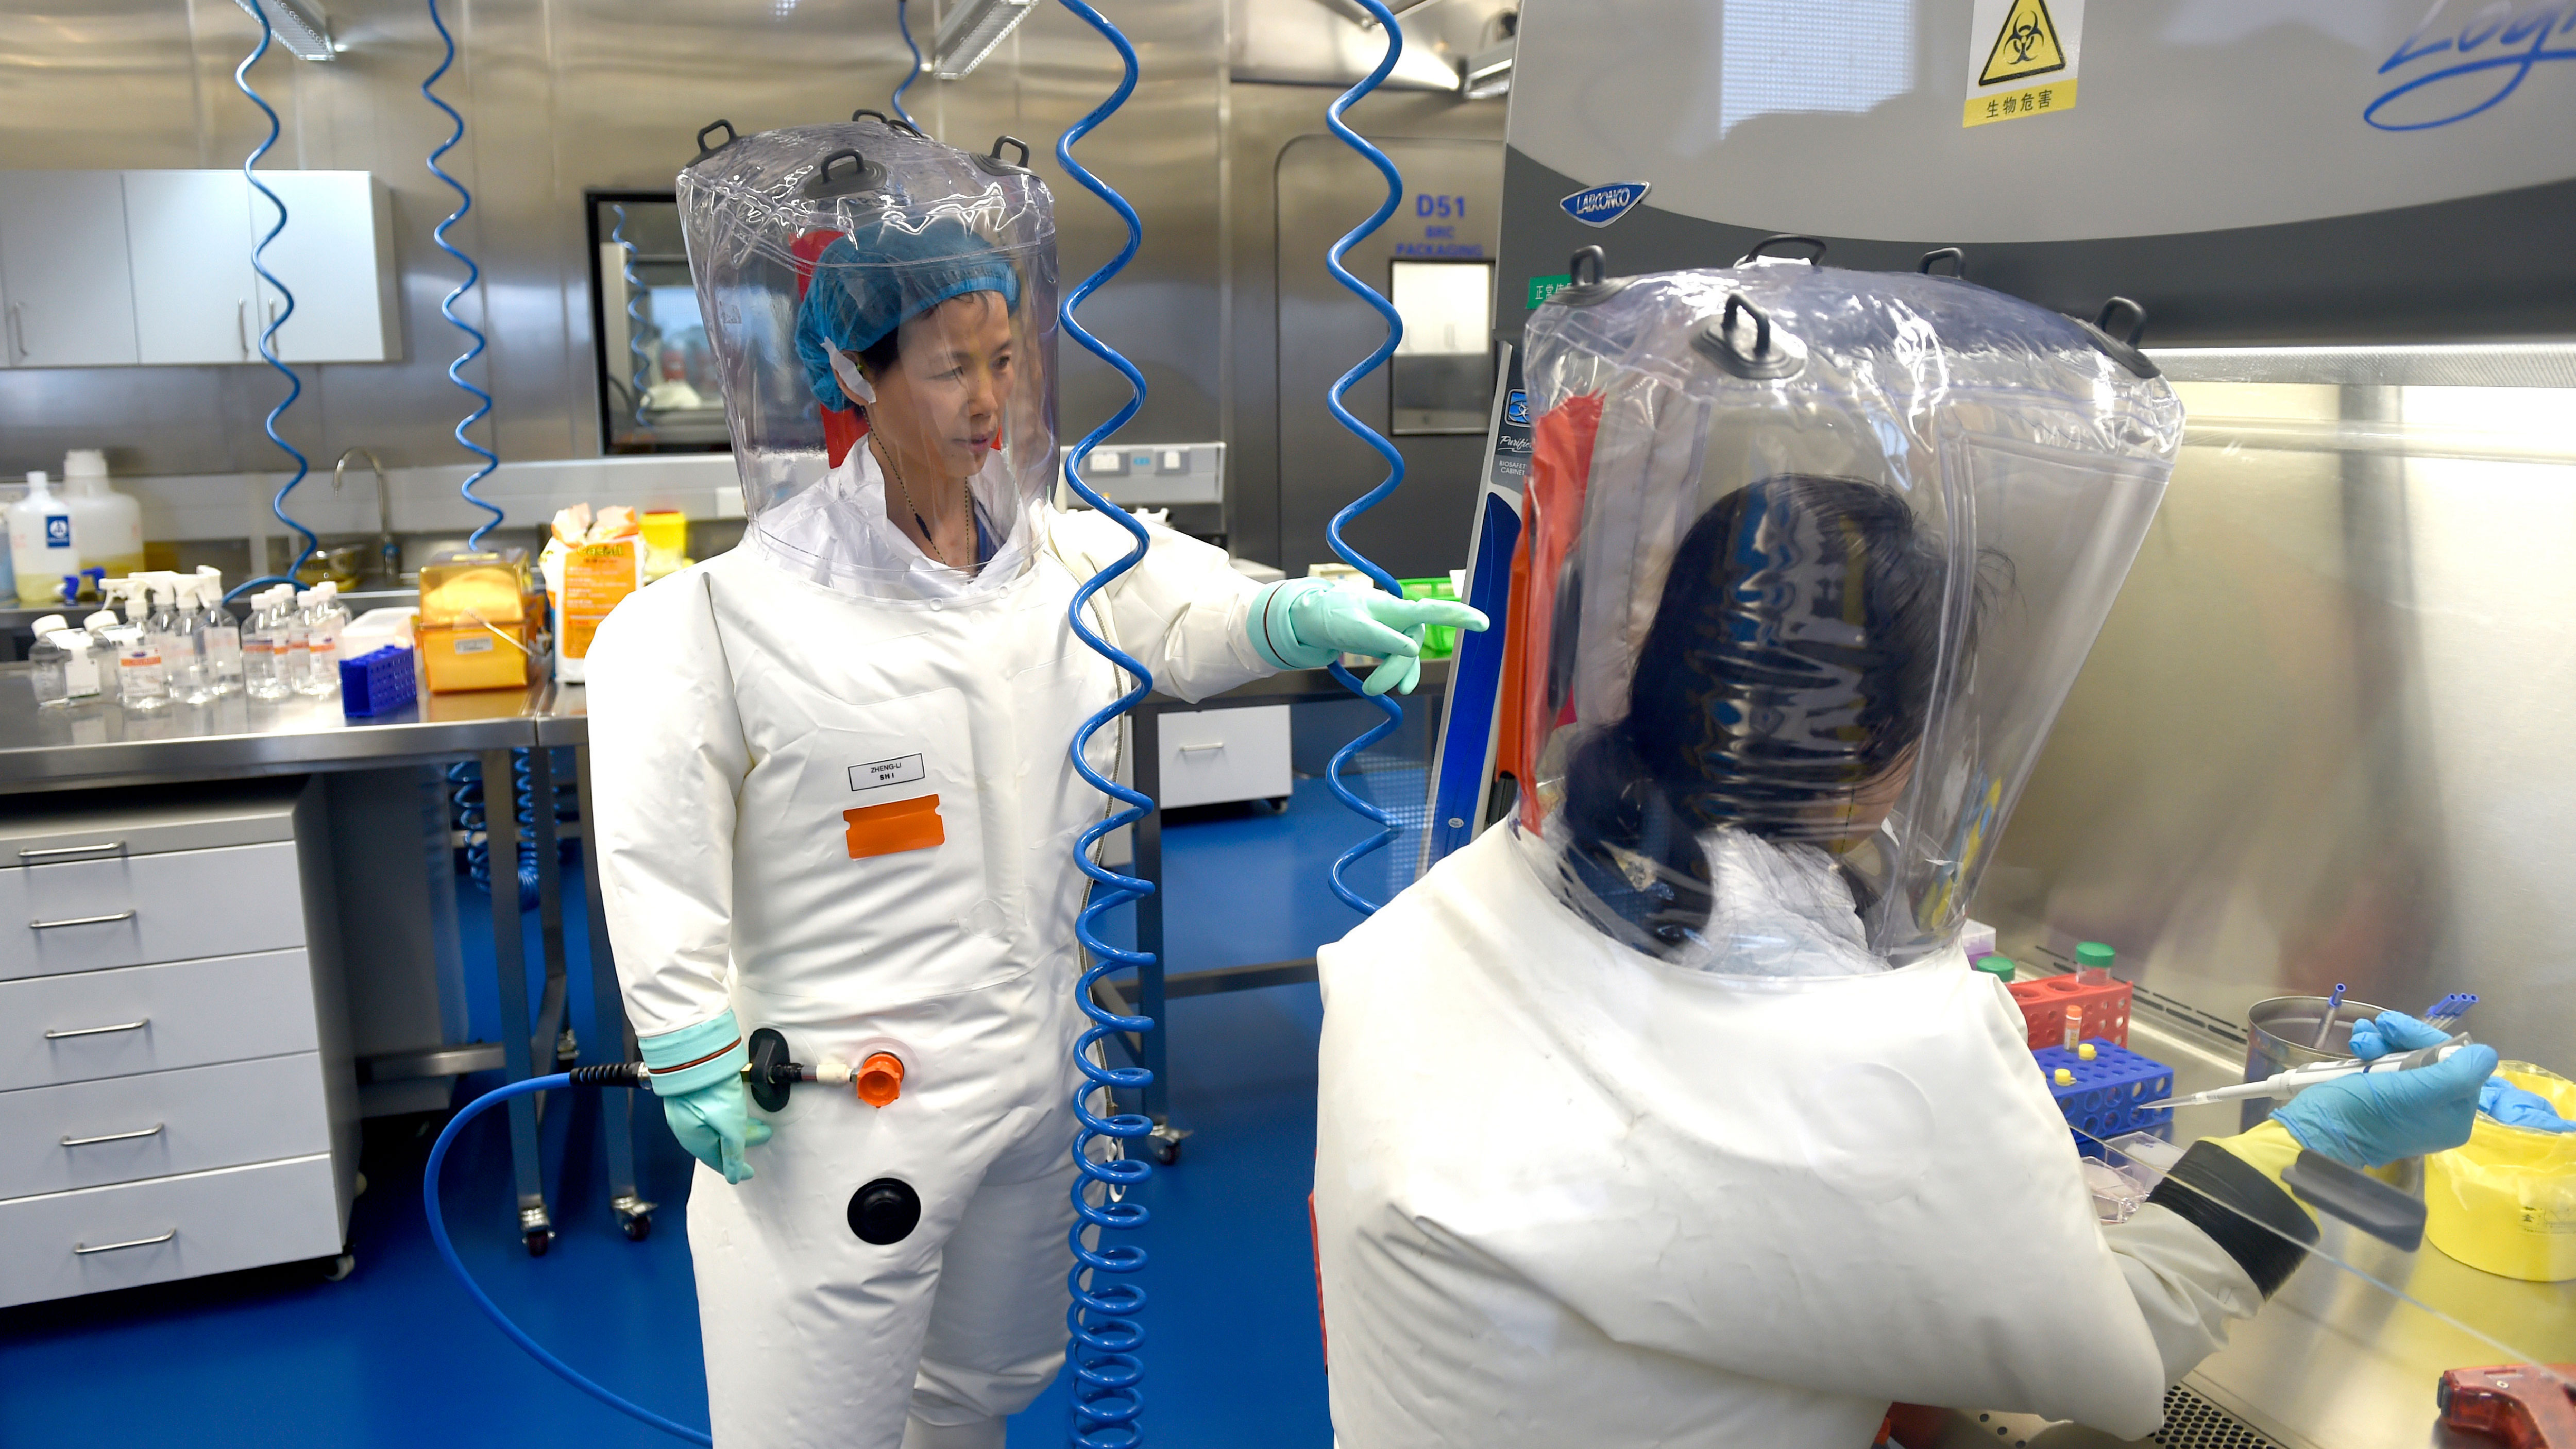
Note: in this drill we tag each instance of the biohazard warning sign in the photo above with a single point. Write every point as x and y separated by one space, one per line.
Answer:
2021 59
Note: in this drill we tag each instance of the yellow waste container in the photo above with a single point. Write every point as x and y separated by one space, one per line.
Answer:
2506 1202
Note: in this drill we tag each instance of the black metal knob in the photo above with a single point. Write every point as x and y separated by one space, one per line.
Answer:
771 1072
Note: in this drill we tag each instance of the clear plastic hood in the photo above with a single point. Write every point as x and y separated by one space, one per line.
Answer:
882 310
1813 555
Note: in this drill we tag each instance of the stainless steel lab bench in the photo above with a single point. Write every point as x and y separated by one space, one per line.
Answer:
93 745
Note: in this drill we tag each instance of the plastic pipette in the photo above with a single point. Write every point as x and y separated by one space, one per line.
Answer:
2445 1013
2334 1003
2298 1079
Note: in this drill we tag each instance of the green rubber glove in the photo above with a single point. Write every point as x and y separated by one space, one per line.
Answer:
2365 1121
1308 623
697 1073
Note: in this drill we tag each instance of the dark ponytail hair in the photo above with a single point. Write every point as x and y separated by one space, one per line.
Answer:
1789 665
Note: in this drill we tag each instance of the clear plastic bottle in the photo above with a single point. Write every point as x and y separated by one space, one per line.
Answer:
2093 962
102 649
140 684
183 646
264 656
222 640
291 638
46 662
323 621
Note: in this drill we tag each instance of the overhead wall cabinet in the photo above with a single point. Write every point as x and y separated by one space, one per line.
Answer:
64 295
109 268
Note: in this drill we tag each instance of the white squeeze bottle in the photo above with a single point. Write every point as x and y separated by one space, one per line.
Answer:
222 640
41 546
140 684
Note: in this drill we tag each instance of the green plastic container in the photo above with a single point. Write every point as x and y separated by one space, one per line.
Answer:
1439 641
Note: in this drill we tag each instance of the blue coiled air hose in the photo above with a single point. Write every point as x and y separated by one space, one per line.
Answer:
1105 1343
268 334
903 22
473 274
465 800
635 320
613 1074
1385 703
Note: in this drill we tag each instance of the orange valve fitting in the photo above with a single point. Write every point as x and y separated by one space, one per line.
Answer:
879 1079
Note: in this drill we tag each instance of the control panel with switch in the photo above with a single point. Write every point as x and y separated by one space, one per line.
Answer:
1154 476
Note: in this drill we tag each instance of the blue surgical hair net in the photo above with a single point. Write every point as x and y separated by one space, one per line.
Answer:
857 299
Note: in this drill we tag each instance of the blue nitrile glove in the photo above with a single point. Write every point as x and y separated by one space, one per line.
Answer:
2394 1031
2366 1120
697 1073
1308 623
2515 1107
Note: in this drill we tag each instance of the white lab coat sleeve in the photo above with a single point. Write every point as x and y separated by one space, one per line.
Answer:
1182 610
2188 1289
668 760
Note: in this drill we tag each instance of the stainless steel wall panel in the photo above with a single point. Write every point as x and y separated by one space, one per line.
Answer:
560 96
2323 735
566 95
1161 153
1324 189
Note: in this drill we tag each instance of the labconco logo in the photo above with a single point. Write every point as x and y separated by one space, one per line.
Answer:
1602 205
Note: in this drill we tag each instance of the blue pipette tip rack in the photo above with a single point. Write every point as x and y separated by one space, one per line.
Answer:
2118 1091
377 682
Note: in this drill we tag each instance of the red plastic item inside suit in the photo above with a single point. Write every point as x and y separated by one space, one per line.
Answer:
2043 1006
2514 1405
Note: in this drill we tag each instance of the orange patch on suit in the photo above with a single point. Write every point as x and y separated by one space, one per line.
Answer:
894 827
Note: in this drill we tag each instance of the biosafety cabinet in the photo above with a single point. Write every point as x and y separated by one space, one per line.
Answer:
176 1091
2321 740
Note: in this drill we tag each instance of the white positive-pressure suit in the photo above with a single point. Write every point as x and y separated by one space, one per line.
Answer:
740 711
1669 1112
1567 1193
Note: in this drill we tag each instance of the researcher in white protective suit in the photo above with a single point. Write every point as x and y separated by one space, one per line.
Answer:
1668 1112
834 794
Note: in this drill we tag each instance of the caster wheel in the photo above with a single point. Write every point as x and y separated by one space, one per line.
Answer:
335 1269
1278 804
538 1240
638 1227
361 1187
1167 1152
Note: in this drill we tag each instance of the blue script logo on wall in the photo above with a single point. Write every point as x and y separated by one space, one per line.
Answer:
1602 205
2451 75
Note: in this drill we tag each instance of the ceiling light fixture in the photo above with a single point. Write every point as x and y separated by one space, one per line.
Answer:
298 26
969 32
1369 22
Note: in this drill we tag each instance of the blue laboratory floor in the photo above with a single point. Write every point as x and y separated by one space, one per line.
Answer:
397 1356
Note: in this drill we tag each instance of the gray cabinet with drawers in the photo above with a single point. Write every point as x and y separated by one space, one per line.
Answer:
176 1093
